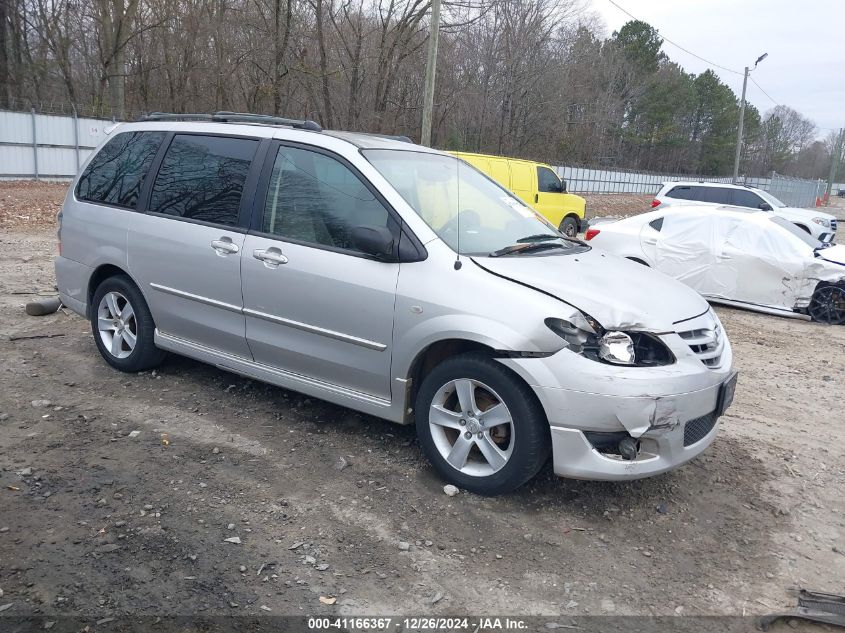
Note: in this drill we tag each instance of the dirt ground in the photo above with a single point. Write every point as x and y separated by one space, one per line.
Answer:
101 518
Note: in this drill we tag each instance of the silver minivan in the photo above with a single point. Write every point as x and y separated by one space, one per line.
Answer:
395 280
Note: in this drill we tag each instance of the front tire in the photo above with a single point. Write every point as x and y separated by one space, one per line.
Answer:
123 326
827 305
569 226
481 427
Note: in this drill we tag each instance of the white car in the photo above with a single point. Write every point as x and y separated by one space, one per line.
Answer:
820 225
749 259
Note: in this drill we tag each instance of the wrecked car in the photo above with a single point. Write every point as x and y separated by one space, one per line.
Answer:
735 256
395 280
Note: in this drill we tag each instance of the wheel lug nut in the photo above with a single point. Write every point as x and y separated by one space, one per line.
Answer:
468 435
480 435
463 422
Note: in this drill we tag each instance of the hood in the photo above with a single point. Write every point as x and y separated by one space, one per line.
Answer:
619 293
804 213
834 254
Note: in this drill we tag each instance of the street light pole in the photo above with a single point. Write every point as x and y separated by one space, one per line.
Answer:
430 71
742 117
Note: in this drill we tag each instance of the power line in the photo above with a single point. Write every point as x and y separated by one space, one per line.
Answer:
676 45
763 91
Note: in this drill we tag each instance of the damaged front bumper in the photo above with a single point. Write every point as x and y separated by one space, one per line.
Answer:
671 411
677 429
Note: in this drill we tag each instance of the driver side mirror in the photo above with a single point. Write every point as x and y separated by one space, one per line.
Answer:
377 241
765 206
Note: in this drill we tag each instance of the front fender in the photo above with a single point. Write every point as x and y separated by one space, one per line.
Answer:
473 328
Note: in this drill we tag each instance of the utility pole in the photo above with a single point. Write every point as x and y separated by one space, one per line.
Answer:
739 130
742 117
430 71
834 162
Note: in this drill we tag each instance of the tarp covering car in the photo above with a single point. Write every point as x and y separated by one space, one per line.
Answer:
753 258
738 256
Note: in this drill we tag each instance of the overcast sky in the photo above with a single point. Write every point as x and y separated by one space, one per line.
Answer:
805 40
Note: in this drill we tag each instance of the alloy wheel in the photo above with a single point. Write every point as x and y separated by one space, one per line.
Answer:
117 324
471 426
828 305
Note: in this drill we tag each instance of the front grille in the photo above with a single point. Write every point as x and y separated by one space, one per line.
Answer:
697 429
706 339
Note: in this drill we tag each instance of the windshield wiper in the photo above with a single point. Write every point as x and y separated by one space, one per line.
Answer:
539 237
518 249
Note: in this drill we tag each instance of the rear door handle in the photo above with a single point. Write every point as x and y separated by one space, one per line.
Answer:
272 257
224 246
651 242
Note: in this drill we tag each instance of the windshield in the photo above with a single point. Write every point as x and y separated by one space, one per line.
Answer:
467 210
770 199
799 233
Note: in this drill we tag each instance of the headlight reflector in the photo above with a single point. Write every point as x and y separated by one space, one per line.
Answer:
617 348
823 221
586 337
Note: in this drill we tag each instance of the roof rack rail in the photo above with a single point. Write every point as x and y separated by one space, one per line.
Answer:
399 137
235 117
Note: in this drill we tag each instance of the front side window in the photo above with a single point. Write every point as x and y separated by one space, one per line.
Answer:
548 181
468 211
115 175
202 178
743 198
316 199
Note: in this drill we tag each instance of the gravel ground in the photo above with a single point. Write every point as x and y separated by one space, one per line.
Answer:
118 493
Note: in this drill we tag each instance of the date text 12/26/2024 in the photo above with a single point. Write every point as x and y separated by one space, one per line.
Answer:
424 623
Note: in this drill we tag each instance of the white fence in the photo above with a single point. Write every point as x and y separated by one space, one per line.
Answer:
45 146
52 147
795 192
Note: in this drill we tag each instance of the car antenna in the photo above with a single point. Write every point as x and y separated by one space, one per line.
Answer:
458 263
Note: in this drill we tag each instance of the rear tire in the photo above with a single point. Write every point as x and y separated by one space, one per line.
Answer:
569 226
480 425
123 326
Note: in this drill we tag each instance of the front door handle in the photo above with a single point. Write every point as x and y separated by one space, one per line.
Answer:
536 198
272 257
224 246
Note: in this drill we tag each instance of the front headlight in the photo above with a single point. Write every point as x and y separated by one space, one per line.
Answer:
584 336
823 221
617 348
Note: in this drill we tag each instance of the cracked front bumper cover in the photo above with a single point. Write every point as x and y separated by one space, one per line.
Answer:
658 423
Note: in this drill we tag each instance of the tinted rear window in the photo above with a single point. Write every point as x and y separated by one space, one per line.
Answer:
202 178
680 193
115 175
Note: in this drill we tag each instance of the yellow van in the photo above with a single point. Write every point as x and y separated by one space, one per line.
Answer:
537 185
